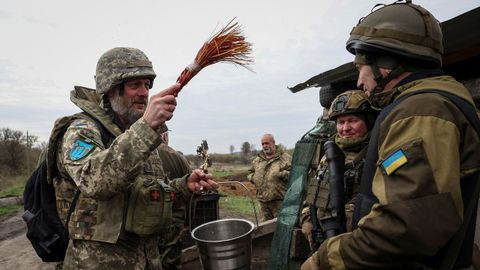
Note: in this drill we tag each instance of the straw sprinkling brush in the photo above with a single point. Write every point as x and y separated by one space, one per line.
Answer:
227 45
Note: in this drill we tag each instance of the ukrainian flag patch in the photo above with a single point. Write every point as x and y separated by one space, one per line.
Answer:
82 125
80 149
394 161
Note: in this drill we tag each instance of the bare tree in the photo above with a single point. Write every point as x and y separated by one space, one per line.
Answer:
11 142
232 149
246 151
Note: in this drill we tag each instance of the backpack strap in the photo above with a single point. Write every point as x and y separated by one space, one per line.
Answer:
107 136
361 155
72 206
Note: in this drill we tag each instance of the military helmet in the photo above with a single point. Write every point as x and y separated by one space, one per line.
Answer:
350 102
119 64
402 29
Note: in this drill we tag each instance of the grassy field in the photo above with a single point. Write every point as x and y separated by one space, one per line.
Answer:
8 210
234 204
10 187
219 170
14 190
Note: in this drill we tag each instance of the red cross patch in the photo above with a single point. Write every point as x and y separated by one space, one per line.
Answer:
155 195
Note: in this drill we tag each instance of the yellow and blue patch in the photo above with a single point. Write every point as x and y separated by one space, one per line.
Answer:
80 149
82 125
394 161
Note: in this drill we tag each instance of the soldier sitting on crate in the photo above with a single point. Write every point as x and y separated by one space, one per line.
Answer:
354 119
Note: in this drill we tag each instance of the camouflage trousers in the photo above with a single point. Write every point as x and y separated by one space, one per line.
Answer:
170 247
269 209
139 254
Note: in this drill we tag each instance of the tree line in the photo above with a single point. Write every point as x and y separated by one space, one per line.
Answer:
18 153
244 156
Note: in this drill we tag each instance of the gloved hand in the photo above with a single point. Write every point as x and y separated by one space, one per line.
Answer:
309 264
307 228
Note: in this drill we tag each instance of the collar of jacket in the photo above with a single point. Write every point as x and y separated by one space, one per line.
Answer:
278 153
89 101
352 145
382 99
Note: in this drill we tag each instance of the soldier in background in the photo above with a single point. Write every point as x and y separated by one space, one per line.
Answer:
175 166
109 154
354 119
269 173
424 156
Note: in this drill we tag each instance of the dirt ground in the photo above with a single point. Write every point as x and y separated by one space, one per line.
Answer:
235 188
16 251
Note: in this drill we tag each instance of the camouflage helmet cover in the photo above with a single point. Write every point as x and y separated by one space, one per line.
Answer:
118 64
350 102
402 29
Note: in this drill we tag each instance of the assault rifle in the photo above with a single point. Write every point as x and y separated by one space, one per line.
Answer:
333 224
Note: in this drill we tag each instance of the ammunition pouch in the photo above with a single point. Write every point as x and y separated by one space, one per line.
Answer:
149 208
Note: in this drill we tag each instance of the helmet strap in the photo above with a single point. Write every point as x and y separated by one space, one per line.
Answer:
381 80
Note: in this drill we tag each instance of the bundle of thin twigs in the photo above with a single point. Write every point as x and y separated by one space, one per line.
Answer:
227 45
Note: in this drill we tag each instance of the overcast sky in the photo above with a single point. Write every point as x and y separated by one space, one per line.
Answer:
47 47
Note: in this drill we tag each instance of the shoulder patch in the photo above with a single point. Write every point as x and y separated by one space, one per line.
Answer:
80 149
394 161
82 125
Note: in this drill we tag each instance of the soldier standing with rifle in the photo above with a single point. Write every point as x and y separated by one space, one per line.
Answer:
419 189
337 178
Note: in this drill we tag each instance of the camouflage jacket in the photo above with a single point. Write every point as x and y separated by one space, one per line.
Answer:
102 175
420 205
270 176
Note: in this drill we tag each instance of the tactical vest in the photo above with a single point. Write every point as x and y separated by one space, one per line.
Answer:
320 180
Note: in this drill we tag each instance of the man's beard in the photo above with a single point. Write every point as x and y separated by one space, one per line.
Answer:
267 151
126 112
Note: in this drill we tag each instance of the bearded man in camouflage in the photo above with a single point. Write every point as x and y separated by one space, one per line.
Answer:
269 173
108 154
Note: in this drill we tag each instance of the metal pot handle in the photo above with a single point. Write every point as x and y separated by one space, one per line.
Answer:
223 183
249 195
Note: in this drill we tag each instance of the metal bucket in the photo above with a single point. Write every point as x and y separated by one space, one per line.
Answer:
225 244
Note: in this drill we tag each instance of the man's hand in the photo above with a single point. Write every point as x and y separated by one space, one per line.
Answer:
309 264
199 180
161 106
